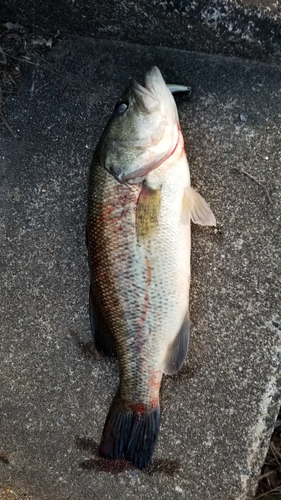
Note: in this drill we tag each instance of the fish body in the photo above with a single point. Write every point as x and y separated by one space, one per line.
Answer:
139 211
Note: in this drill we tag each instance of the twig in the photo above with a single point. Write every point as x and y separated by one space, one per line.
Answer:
62 91
257 182
268 473
16 136
24 60
268 492
272 448
42 86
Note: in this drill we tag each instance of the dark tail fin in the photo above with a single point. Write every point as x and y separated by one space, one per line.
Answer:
130 432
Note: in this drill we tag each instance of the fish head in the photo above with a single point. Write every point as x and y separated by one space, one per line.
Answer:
143 130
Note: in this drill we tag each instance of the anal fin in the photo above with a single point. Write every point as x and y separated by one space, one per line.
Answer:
103 337
177 350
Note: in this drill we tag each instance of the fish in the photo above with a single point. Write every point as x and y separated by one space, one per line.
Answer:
140 204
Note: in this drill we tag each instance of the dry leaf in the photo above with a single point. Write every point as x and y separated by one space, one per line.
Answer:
4 55
49 43
38 41
14 26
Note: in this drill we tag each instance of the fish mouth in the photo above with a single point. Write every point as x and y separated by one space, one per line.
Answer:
149 101
137 86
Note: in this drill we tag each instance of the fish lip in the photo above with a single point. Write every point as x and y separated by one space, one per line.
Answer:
137 86
145 91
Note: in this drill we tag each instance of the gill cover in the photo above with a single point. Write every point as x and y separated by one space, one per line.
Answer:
143 129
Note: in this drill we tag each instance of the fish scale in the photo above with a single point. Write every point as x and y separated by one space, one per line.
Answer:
139 210
121 280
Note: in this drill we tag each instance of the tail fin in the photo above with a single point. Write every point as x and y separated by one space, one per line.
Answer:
130 432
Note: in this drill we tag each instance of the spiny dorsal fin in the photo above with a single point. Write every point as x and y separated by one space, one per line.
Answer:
148 207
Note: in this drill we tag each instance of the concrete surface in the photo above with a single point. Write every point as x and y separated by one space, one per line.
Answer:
247 28
218 412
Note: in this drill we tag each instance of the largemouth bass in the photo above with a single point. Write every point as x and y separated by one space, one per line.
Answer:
139 210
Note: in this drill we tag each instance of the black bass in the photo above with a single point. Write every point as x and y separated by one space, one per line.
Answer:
139 210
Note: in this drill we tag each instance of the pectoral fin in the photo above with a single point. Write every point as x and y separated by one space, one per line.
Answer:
195 207
148 207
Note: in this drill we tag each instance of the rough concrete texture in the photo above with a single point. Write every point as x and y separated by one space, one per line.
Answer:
218 412
247 28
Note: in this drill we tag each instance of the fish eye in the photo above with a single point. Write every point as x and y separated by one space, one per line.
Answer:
121 107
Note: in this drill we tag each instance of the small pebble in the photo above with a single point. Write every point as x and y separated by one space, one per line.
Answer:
243 118
179 489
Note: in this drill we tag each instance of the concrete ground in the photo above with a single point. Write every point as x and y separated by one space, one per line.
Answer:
219 411
244 28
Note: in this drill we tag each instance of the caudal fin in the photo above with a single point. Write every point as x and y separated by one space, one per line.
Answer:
130 432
